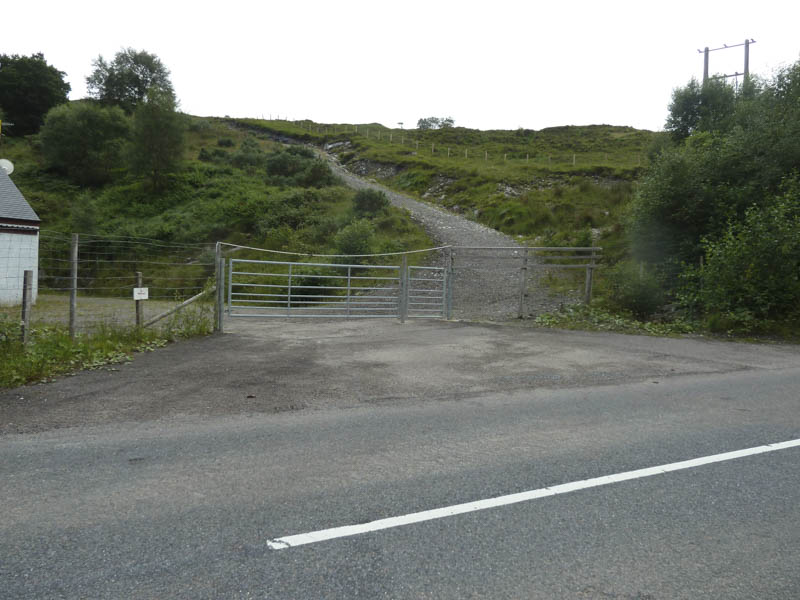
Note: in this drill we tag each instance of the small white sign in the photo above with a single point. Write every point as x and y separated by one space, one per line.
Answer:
140 293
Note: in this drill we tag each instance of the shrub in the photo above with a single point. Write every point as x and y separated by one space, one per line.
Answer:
356 238
631 287
369 202
225 142
85 141
752 272
249 155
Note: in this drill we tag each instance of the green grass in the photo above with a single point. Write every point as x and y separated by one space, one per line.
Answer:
51 352
523 183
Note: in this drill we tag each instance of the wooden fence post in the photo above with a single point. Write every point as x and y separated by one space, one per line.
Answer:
27 297
73 287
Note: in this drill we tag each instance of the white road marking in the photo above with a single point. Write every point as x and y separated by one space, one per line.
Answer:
290 541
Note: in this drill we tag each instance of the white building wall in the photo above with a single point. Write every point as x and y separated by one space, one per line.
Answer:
18 253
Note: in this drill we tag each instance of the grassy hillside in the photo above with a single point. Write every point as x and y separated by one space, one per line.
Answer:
562 185
233 186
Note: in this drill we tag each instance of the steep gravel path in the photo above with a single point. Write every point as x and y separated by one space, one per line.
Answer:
485 282
446 228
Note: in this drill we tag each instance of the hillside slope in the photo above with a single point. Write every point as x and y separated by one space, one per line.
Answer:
558 186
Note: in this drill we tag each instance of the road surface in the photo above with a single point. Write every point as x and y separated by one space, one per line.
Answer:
178 475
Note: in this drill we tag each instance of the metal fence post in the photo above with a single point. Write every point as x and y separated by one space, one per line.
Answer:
403 299
449 292
73 287
523 283
27 297
221 295
217 253
289 294
587 293
139 307
347 300
230 285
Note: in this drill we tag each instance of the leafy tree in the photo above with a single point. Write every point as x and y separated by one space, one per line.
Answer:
435 123
157 141
127 80
85 141
29 87
707 107
712 197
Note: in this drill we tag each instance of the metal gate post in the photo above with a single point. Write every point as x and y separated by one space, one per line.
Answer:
448 269
217 283
230 285
403 299
523 283
349 274
587 292
220 294
289 294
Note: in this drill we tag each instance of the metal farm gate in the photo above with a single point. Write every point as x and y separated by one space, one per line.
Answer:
266 288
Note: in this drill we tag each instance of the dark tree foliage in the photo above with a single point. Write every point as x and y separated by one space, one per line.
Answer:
29 87
85 141
157 141
126 80
696 107
713 196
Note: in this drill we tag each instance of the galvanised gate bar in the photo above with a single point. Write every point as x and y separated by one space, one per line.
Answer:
264 288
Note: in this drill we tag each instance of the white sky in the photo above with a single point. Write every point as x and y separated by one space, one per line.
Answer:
493 64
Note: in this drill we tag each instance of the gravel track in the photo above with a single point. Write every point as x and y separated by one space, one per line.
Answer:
485 282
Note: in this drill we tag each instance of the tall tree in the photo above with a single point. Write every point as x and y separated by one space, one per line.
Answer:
29 87
157 144
126 80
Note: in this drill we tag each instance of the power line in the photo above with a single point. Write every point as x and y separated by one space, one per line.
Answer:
746 73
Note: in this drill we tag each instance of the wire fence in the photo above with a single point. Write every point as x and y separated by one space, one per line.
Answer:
419 143
101 273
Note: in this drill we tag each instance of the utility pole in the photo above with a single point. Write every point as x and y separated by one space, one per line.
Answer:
746 73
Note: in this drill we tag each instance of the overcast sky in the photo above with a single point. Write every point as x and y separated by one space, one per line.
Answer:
493 64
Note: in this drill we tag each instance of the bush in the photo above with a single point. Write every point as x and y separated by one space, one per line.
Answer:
356 238
225 142
369 202
249 155
85 141
631 287
752 273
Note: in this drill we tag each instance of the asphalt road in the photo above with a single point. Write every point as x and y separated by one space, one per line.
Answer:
378 420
